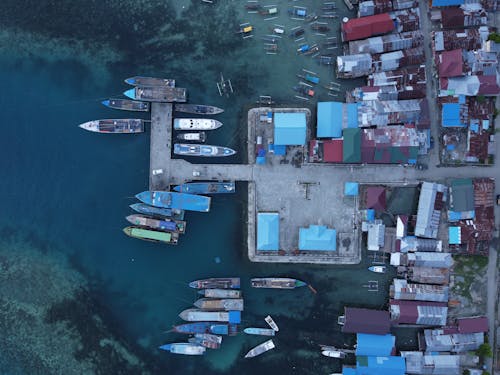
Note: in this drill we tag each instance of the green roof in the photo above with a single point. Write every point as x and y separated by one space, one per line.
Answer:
352 146
151 234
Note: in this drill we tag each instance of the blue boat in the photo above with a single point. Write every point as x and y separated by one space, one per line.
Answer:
181 201
206 187
215 328
158 211
259 331
184 348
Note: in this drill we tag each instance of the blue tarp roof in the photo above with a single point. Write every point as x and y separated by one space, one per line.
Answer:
234 317
289 128
279 150
268 231
352 115
351 189
451 115
317 237
329 116
348 371
445 3
454 235
375 345
380 365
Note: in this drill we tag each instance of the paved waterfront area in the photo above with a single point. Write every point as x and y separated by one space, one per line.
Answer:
160 146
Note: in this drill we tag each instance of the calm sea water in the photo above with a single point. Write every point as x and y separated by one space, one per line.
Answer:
67 191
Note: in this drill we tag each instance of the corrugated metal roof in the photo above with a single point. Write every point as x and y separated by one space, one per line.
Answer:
360 28
351 189
352 146
380 365
437 341
401 289
268 232
317 237
375 345
333 150
450 116
376 236
427 215
329 121
366 321
289 128
446 3
418 312
435 364
451 63
352 66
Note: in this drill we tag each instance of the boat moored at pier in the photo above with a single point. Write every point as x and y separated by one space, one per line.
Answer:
378 269
207 340
259 349
196 124
216 283
277 283
157 94
169 225
220 293
228 304
197 315
126 105
215 328
170 238
259 331
206 187
202 150
271 323
169 199
184 348
192 137
199 109
150 81
159 212
123 126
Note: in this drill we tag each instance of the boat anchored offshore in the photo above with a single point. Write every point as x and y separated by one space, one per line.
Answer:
207 327
206 187
192 137
197 315
207 340
378 269
229 304
202 150
219 283
199 109
126 105
169 199
158 211
220 293
114 126
259 349
164 225
184 348
152 235
277 283
196 124
259 331
271 323
150 81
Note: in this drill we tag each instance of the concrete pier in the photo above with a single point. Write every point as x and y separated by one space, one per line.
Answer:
160 152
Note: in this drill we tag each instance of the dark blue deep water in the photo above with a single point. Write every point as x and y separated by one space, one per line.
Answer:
74 285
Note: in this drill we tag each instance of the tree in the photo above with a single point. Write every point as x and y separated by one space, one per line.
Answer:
484 351
466 372
494 37
485 372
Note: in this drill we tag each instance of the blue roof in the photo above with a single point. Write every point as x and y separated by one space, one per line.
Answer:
279 150
348 371
375 345
454 235
317 237
329 116
370 214
351 189
451 115
268 231
352 115
445 3
289 128
380 365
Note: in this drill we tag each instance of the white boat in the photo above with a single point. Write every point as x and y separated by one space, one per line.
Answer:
192 137
378 269
259 349
196 124
333 354
184 348
220 293
271 323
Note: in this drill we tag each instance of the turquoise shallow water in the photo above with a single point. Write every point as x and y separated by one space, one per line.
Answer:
66 192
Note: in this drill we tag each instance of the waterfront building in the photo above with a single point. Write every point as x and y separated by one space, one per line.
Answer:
418 312
268 232
438 340
375 345
356 320
431 364
386 43
290 128
360 28
430 203
401 289
317 238
376 365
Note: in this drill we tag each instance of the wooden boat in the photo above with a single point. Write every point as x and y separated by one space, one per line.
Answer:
277 283
170 238
271 323
192 137
126 105
226 304
378 269
259 331
304 89
207 340
320 28
167 224
270 11
259 349
150 81
220 293
199 109
297 32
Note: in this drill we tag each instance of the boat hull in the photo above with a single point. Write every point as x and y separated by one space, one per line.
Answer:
259 331
234 304
259 349
170 238
157 211
126 105
202 150
168 225
216 283
182 201
199 109
207 187
277 283
184 348
220 293
192 137
157 94
271 323
196 124
215 328
114 126
378 269
150 81
197 315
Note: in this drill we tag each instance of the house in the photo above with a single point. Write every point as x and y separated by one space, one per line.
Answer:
418 312
450 63
290 128
461 206
268 231
401 289
386 43
431 364
356 320
421 259
428 275
375 345
317 238
333 117
437 340
430 203
361 28
472 85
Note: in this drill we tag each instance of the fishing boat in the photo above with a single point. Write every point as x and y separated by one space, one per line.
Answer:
207 327
170 238
295 33
259 349
229 304
126 105
304 89
168 225
207 340
252 6
184 348
220 293
158 211
270 11
378 269
297 12
218 283
124 126
320 28
157 94
192 137
170 199
259 331
309 78
199 109
325 60
150 81
202 150
206 187
224 86
311 17
196 124
271 323
333 353
277 283
197 315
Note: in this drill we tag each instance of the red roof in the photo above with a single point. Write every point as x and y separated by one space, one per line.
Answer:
365 27
366 321
409 310
333 151
473 325
452 18
375 198
451 63
488 85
